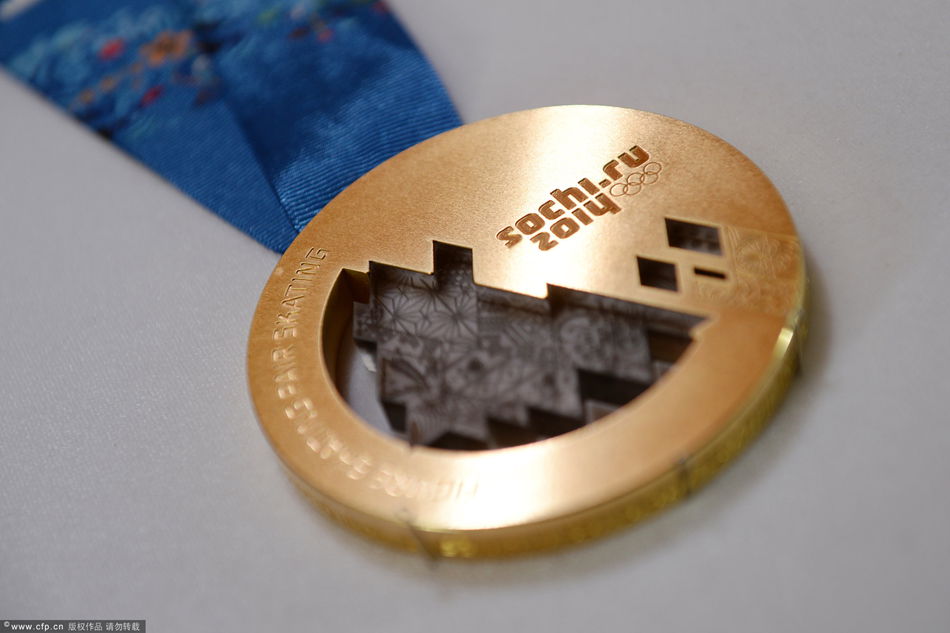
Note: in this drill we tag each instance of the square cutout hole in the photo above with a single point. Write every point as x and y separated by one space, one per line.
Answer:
693 237
657 274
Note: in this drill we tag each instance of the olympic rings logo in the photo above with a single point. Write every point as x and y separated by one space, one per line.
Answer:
634 183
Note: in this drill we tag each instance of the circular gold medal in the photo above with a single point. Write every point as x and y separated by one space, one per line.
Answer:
575 315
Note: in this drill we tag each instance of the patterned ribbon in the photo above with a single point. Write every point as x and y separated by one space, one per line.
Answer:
262 110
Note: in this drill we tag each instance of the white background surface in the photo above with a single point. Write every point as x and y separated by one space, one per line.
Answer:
135 483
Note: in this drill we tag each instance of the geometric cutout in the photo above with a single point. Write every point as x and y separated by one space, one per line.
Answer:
466 367
657 274
714 274
694 237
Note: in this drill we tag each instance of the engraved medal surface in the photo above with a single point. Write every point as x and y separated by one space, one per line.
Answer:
576 316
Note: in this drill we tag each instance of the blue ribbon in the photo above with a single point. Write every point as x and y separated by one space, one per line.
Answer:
262 110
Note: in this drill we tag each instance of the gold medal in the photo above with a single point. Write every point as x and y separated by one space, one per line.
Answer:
576 315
